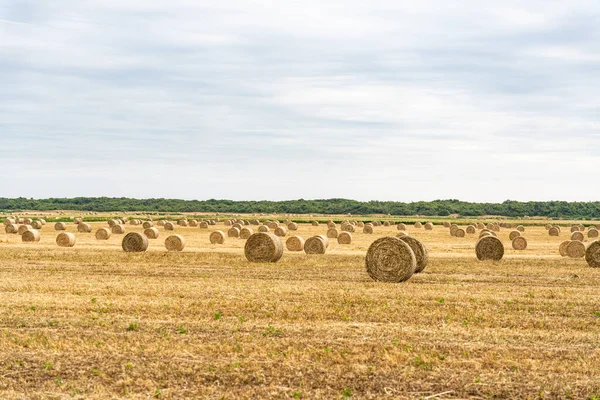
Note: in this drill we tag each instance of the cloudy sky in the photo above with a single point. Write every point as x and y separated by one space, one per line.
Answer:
385 100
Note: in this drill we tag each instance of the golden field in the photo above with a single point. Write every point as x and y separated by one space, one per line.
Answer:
94 322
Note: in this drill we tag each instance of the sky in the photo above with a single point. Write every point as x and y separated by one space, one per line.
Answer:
252 100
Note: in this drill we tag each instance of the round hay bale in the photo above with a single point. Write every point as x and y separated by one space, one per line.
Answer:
193 223
134 222
118 229
368 229
113 222
263 247
9 221
470 230
446 224
295 243
233 232
183 222
460 233
292 226
103 234
519 243
420 252
376 223
520 228
386 223
246 232
147 225
217 237
65 239
331 224
554 231
30 236
453 229
344 238
151 233
593 233
228 223
315 223
161 222
418 225
360 224
562 248
575 249
175 243
575 228
238 226
169 226
11 229
480 225
513 234
280 231
203 225
43 221
401 226
254 222
390 259
82 227
134 242
489 248
428 226
316 245
548 226
348 228
24 228
577 235
36 225
592 254
263 228
333 233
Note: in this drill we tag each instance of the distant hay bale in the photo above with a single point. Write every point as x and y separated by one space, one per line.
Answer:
480 225
386 223
280 231
592 254
27 221
446 224
43 221
254 222
161 222
316 245
360 224
333 233
233 232
60 226
77 220
460 233
593 233
147 225
562 248
576 249
368 229
453 229
103 234
30 236
428 226
118 229
520 228
151 233
134 222
344 238
263 228
418 225
548 226
575 228
519 243
84 228
36 225
401 226
134 242
246 232
420 252
331 224
217 237
513 234
183 222
496 228
169 226
376 223
263 247
113 222
390 259
554 231
9 221
348 228
238 226
175 243
577 235
470 230
228 223
295 243
65 239
401 234
24 228
203 225
193 223
11 229
292 226
315 223
489 248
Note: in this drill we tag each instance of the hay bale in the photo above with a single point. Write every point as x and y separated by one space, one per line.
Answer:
147 225
554 231
263 228
386 223
520 228
446 224
246 232
228 223
27 221
217 237
360 224
82 227
118 229
169 226
576 249
418 225
315 223
203 225
183 222
134 222
280 231
348 228
233 232
292 226
9 221
460 233
428 226
24 228
344 238
480 225
548 226
331 224
30 236
65 239
161 222
575 228
36 225
254 222
368 229
134 242
519 243
562 248
470 230
103 234
151 233
263 247
453 229
513 234
420 252
489 248
390 259
316 245
376 223
175 243
113 222
333 233
60 226
593 233
592 254
295 243
577 235
43 221
401 226
11 229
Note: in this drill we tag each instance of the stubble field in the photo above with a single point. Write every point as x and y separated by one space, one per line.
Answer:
94 322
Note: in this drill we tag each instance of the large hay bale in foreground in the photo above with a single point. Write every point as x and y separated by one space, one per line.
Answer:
24 228
368 229
60 226
134 242
513 234
344 238
263 247
519 243
263 228
419 250
577 235
390 259
592 254
593 233
65 239
175 243
30 236
489 248
316 245
118 229
103 234
575 249
562 248
246 232
295 243
332 233
82 227
151 233
217 237
280 231
554 231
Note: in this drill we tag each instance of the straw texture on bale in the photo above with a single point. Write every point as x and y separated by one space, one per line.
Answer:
175 243
553 231
24 228
459 233
295 243
480 225
233 232
27 221
134 242
169 226
292 226
418 225
368 229
183 222
78 220
31 236
263 228
470 229
203 225
65 239
161 222
386 223
331 224
254 222
401 234
103 234
575 249
238 226
453 229
333 233
263 247
118 229
344 238
147 225
280 231
489 248
446 224
84 228
428 226
548 226
562 248
348 228
151 233
513 234
36 225
401 226
217 237
12 228
592 254
577 236
390 259
316 245
112 222
575 228
519 243
9 221
246 232
419 250
521 228
593 233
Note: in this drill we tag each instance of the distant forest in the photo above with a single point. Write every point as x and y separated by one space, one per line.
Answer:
332 206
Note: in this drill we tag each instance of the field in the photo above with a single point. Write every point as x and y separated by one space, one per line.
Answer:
94 322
